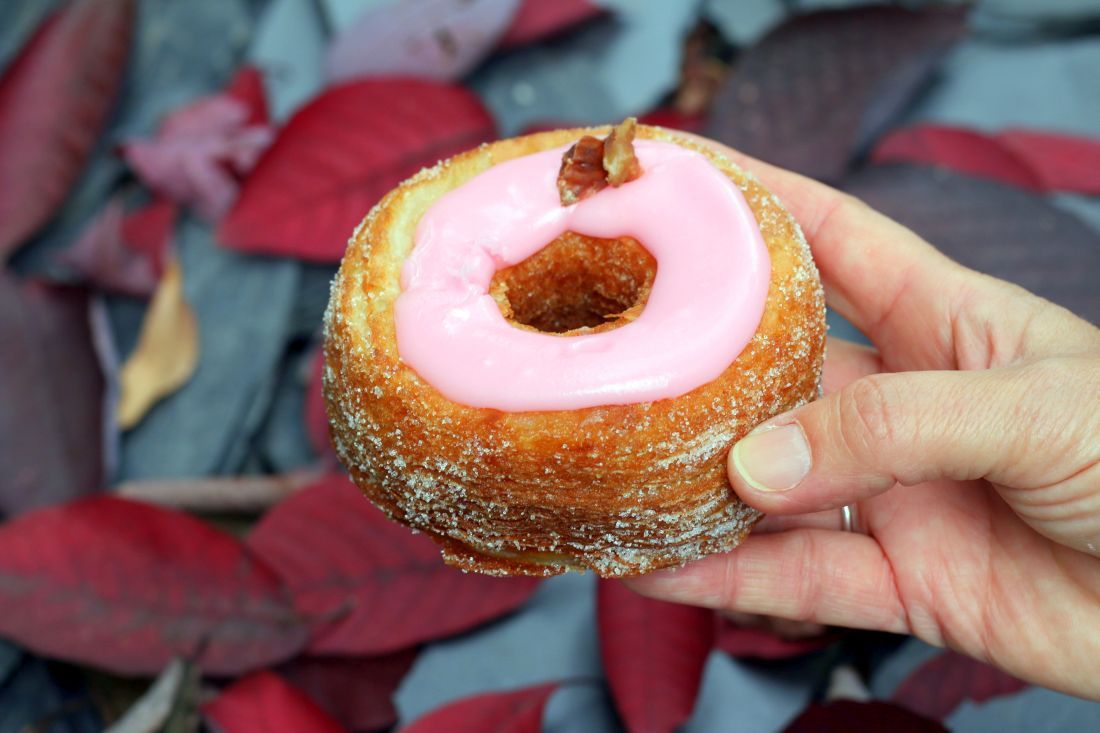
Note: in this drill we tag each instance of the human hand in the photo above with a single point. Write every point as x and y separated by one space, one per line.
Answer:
968 442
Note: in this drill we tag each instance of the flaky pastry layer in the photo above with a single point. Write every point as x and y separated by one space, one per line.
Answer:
621 489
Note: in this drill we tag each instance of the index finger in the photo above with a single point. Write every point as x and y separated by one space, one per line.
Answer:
919 307
890 283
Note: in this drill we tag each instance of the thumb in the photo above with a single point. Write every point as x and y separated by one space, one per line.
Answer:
1024 427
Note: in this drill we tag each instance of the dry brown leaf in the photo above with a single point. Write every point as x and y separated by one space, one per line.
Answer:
707 61
223 495
167 351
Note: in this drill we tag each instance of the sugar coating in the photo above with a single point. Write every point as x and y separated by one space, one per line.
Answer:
621 490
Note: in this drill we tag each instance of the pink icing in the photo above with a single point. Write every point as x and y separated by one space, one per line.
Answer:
706 303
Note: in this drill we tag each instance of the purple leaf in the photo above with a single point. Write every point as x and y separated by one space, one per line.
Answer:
123 252
356 691
1002 230
202 150
948 679
538 19
801 97
427 39
52 392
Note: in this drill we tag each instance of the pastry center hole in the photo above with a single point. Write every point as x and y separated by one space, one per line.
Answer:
576 284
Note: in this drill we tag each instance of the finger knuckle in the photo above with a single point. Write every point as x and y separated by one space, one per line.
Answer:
728 586
805 594
1056 400
1047 389
867 415
1077 372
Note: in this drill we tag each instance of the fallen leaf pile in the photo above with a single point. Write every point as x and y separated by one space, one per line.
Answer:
179 548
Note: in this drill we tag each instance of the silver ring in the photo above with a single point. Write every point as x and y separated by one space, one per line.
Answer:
848 518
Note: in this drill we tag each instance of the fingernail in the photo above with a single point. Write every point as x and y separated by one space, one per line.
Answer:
774 459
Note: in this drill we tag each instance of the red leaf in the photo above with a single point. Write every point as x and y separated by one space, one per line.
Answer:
127 586
1037 160
123 252
340 154
943 682
356 691
745 642
965 151
54 101
653 654
52 392
247 87
148 230
383 587
264 703
316 418
843 716
673 119
1062 162
516 711
538 19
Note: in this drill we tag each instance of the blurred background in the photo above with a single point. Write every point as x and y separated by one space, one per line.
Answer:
178 547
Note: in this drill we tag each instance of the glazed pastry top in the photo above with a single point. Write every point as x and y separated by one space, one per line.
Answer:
705 305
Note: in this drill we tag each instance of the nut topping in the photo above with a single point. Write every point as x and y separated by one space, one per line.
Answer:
593 164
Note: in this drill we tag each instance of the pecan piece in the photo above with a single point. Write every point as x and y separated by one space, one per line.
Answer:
618 154
582 173
592 164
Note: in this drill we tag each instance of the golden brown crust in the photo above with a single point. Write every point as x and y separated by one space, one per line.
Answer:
620 489
576 285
